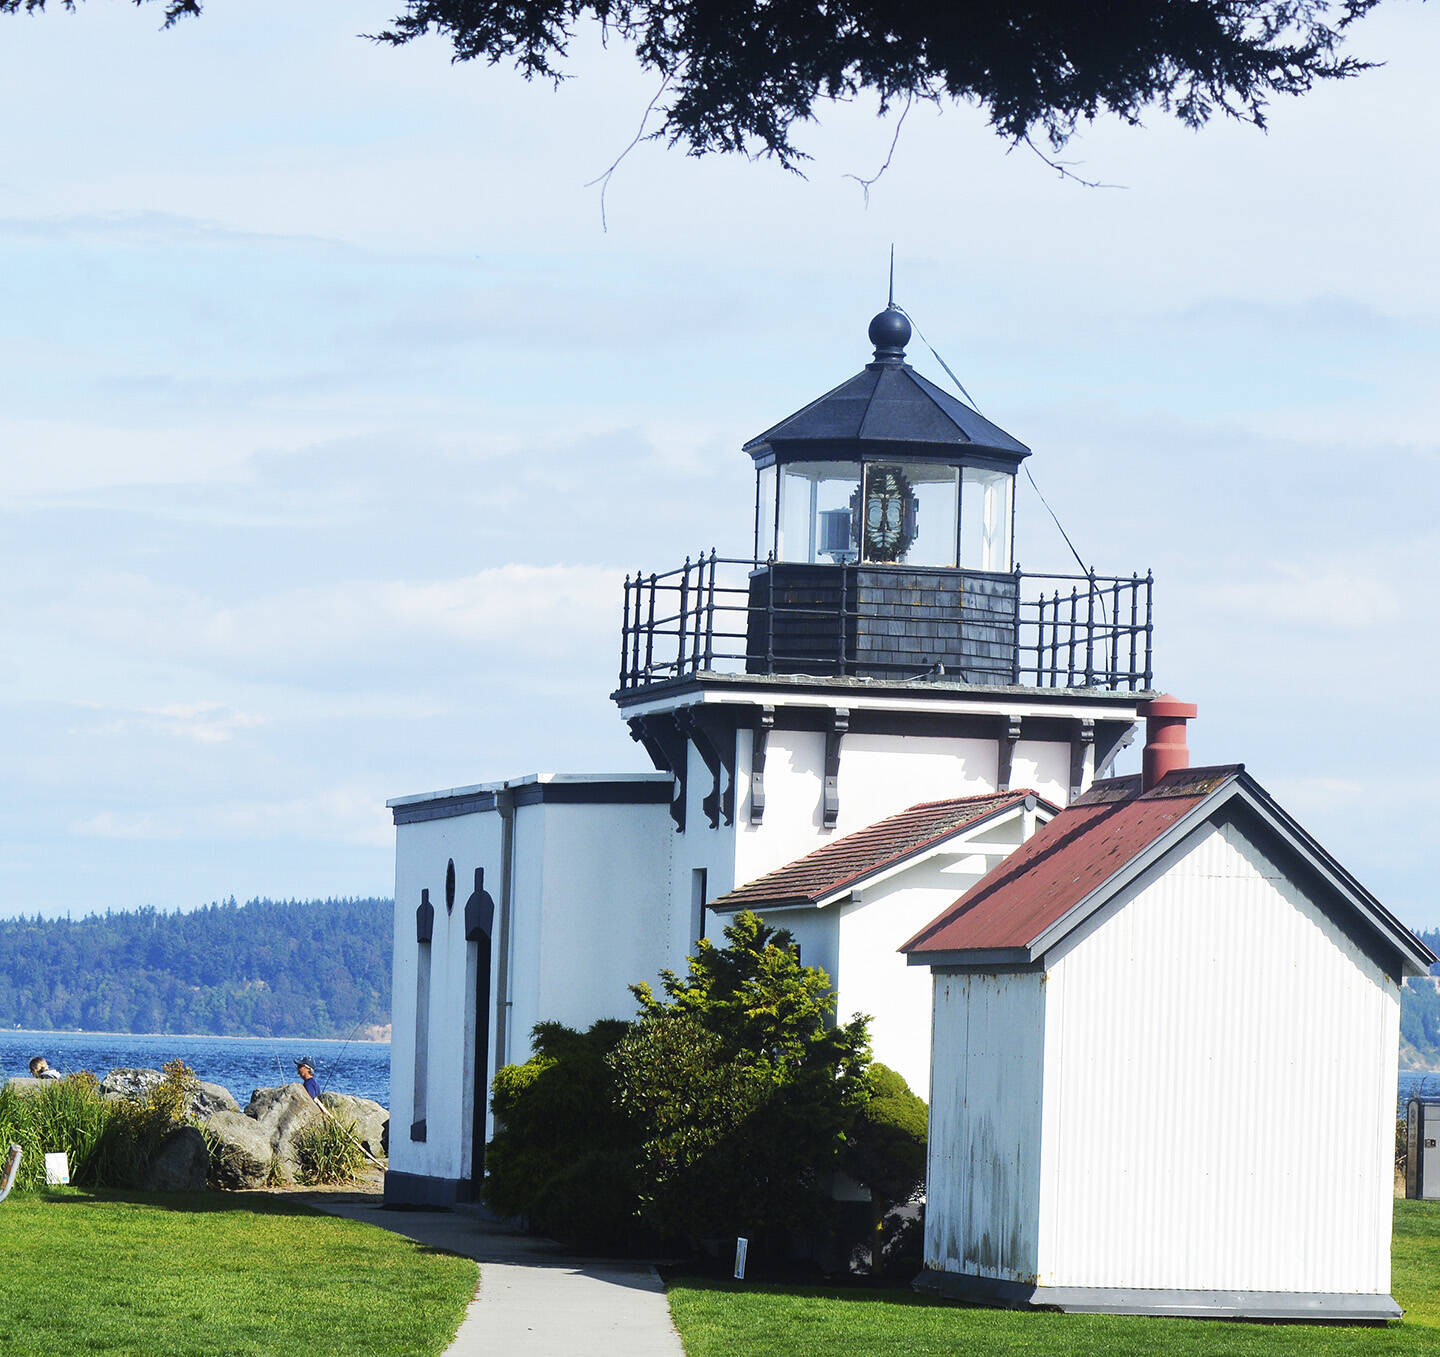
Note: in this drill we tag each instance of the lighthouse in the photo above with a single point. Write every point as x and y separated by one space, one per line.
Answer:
847 725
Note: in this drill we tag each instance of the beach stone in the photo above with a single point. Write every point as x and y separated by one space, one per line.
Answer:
370 1120
137 1084
282 1113
181 1163
23 1083
241 1152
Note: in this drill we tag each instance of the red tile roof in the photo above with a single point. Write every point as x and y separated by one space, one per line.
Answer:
847 860
1057 867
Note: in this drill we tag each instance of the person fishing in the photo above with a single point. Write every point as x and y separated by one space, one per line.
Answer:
305 1068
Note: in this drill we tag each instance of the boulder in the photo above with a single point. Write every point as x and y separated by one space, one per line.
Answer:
240 1151
281 1113
22 1083
181 1163
137 1084
370 1120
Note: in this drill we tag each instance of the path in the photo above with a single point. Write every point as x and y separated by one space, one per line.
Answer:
535 1298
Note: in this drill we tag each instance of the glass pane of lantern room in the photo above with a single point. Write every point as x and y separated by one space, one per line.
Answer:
985 519
816 512
764 514
910 513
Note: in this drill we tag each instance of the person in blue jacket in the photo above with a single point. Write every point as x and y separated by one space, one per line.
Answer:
305 1068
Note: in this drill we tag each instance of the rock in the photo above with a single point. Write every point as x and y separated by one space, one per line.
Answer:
22 1083
180 1163
281 1113
241 1153
370 1120
137 1085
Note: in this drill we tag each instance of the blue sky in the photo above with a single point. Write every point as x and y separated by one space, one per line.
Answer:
331 419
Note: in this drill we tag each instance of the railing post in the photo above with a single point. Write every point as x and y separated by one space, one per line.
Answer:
1090 633
1015 668
1114 681
650 632
681 620
1134 625
710 615
1055 602
1074 606
844 621
770 614
1149 627
625 632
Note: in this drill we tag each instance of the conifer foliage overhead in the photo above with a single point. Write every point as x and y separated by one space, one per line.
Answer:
739 75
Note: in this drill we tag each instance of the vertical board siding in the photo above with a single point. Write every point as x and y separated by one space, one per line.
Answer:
984 1150
1219 1089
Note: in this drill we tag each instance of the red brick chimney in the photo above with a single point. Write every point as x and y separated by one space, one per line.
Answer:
1165 747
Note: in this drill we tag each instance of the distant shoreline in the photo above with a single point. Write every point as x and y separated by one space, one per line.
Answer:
187 1036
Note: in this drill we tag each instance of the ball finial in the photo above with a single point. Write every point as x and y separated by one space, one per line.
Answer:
890 333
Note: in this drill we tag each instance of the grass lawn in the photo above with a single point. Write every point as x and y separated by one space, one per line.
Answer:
215 1273
735 1320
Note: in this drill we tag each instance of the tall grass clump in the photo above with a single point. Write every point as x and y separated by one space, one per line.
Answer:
327 1151
108 1141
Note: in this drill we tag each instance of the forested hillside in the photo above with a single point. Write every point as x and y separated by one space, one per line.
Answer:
264 968
1420 1016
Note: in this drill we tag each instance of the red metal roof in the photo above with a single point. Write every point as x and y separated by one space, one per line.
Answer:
1057 867
849 859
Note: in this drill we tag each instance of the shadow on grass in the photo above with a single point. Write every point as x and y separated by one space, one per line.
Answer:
891 1293
190 1203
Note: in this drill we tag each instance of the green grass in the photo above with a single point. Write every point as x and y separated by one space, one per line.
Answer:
193 1276
719 1319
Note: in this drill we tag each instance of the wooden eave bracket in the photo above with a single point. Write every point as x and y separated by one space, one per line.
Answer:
713 753
830 805
1010 737
1082 748
669 752
759 740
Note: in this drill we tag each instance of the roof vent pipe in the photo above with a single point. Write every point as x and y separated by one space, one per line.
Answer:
1165 747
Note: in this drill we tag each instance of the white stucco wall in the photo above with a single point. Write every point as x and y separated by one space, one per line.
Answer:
873 977
422 852
589 883
983 1165
1220 1064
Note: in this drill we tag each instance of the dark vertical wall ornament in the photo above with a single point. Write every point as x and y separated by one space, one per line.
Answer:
759 739
450 886
830 808
424 918
479 910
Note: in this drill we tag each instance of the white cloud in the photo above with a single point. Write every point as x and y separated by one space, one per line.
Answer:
202 722
343 815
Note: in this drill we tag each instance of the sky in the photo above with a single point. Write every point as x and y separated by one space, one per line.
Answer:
331 418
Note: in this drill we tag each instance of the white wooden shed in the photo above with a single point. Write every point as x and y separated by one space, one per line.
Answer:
1164 1064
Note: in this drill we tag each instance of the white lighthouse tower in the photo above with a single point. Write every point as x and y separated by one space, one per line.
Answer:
849 725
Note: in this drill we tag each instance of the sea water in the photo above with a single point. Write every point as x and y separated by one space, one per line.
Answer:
240 1064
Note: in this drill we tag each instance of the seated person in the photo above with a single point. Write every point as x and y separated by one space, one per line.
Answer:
40 1068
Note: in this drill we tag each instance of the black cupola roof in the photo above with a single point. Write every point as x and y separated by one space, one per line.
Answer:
888 408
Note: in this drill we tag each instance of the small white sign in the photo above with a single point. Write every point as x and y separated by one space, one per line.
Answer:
742 1247
57 1169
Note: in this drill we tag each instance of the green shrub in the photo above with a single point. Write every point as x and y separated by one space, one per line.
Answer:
327 1151
552 1113
66 1115
109 1142
744 1089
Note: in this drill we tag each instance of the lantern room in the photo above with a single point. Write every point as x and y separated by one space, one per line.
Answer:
887 470
884 549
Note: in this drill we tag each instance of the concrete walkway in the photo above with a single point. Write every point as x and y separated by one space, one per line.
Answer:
534 1298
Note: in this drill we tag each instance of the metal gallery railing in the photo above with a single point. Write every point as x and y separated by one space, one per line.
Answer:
717 614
